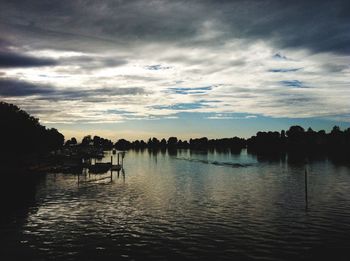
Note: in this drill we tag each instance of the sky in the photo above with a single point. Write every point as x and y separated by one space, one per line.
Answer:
138 69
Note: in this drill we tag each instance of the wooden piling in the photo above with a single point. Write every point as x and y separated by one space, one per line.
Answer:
306 196
111 167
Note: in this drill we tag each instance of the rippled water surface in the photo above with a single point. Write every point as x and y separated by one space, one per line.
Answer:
184 205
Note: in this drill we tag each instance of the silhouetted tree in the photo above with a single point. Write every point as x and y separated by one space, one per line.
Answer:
153 143
201 143
163 143
71 142
172 142
122 144
87 141
22 134
53 139
102 143
182 144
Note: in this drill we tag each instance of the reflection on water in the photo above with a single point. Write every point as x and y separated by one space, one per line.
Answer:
186 205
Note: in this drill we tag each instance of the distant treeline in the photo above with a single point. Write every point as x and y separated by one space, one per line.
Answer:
22 134
294 141
175 143
298 141
154 143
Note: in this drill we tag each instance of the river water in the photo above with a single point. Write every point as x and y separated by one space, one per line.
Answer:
183 205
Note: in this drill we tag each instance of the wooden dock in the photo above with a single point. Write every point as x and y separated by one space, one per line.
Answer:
102 167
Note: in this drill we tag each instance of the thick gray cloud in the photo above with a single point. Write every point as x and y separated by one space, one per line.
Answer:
16 88
13 60
320 26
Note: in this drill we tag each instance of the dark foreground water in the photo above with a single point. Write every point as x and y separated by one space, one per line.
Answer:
181 205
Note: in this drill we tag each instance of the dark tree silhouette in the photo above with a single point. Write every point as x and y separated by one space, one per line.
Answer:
86 141
153 143
102 143
172 142
299 143
182 144
123 144
163 143
201 143
71 142
23 135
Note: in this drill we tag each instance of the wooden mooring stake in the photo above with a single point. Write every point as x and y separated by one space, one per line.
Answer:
306 196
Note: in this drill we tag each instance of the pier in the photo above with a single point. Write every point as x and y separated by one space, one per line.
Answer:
97 169
102 167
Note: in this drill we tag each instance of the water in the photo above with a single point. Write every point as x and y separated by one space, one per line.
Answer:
184 205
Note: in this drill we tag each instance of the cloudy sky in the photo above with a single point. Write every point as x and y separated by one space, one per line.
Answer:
136 69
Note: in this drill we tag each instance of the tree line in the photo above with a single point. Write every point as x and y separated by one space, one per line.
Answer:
23 134
154 143
296 140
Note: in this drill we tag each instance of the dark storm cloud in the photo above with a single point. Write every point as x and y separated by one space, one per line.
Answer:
16 88
9 59
12 60
320 26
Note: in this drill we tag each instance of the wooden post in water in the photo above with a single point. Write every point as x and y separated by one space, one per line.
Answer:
118 158
111 167
306 197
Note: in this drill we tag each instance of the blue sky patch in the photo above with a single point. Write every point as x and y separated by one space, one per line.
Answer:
156 67
181 106
293 84
188 90
285 70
